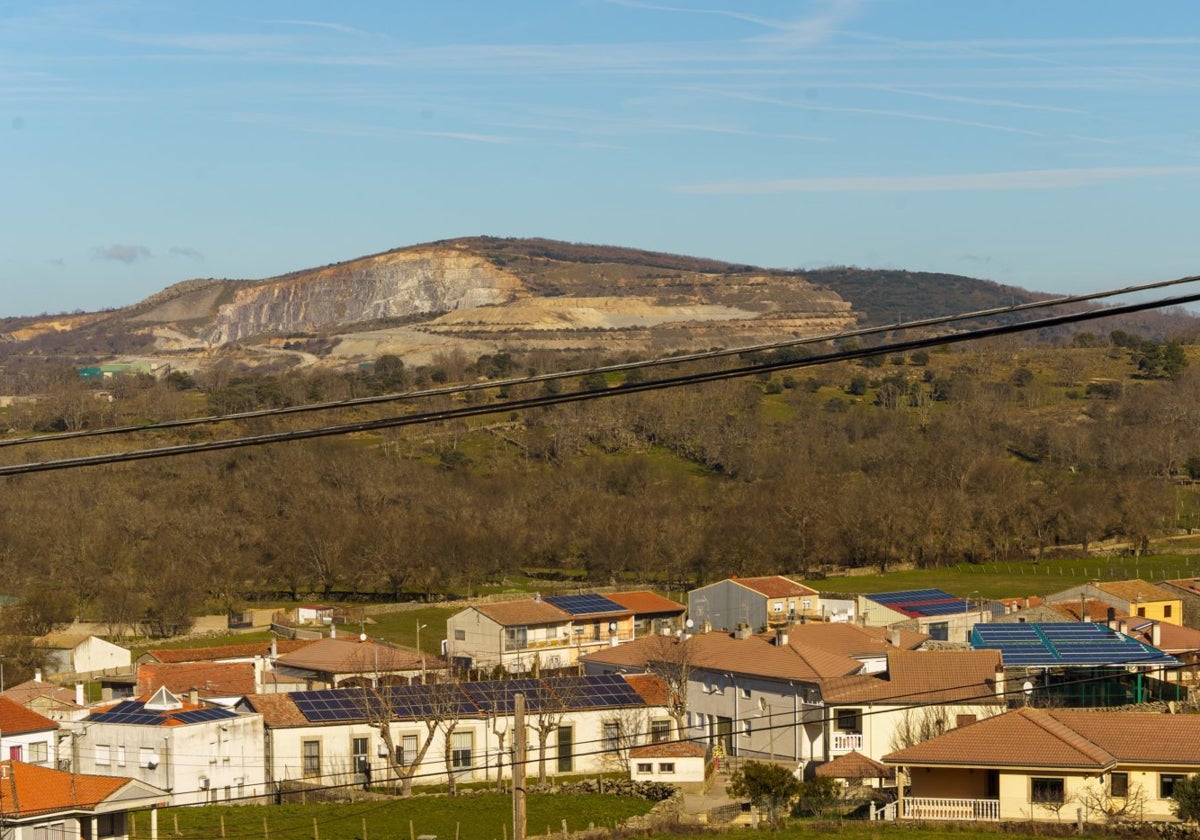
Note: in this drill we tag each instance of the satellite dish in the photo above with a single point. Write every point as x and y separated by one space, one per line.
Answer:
362 637
1027 688
690 624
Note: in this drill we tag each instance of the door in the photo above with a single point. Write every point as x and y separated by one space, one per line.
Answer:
566 749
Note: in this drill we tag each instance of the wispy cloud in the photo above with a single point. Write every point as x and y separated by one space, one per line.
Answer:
347 129
321 24
181 251
1030 179
805 31
122 253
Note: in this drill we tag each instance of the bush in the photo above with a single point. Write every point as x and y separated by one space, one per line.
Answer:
1186 796
818 797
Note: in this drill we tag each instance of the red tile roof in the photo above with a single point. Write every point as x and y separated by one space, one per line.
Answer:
210 679
218 652
651 688
669 749
278 710
28 789
1136 590
645 602
855 765
775 586
923 676
351 656
30 690
1093 608
15 719
849 639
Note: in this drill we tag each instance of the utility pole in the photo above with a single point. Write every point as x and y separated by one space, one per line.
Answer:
518 767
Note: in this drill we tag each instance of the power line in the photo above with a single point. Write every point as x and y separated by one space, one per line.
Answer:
614 368
546 400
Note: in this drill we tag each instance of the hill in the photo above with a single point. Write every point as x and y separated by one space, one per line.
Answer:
482 295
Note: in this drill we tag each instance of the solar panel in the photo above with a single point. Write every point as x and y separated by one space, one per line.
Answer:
331 704
1068 643
202 715
496 696
588 604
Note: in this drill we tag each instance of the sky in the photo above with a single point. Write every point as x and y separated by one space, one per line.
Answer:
1049 145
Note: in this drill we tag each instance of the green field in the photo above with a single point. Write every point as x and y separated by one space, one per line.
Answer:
480 817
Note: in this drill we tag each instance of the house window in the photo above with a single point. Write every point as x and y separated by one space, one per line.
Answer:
103 755
406 752
611 741
38 753
746 728
1166 783
849 720
939 631
660 730
311 750
1118 785
359 747
515 638
1141 612
145 756
779 606
745 692
460 635
461 744
120 755
1046 790
666 767
1166 611
714 688
806 604
647 767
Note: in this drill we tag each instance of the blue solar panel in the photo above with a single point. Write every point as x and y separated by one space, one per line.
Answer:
202 715
585 604
1068 643
922 601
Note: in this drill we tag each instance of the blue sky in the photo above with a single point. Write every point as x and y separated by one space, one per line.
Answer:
1051 144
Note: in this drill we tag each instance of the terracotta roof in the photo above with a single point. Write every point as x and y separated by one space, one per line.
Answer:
1094 608
651 688
1134 590
350 656
644 602
1188 585
278 710
218 652
855 765
210 679
1172 638
1022 738
527 611
717 651
1021 603
669 749
28 789
1063 738
923 676
909 639
775 586
30 690
15 719
848 639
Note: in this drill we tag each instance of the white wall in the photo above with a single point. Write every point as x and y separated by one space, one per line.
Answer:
47 741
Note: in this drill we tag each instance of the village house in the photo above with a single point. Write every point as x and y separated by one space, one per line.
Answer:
42 802
198 754
759 603
1034 764
1135 598
56 702
83 655
27 736
463 729
941 616
328 663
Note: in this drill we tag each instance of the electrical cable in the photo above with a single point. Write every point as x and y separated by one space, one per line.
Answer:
547 400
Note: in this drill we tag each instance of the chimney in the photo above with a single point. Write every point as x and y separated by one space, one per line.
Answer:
537 597
1111 616
193 697
274 648
896 637
37 675
1000 681
332 631
80 700
781 637
1025 602
1156 634
1123 627
1082 607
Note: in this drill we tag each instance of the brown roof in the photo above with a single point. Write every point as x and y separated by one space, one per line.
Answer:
644 602
1172 638
210 679
923 676
351 656
752 656
15 719
1136 590
651 688
28 789
775 586
1188 585
526 611
62 641
669 749
1094 609
1063 739
855 765
278 710
849 639
218 652
30 690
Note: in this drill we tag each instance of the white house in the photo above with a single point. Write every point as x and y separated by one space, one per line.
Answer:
81 654
465 730
27 736
679 763
198 754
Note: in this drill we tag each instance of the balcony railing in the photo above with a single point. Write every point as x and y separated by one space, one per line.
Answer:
844 742
927 808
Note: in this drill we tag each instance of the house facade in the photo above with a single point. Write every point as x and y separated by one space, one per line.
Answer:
1134 598
1033 764
755 602
41 802
27 736
83 655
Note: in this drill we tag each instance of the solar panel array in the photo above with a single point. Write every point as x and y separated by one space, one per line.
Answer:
922 602
1066 643
128 711
475 699
202 715
585 604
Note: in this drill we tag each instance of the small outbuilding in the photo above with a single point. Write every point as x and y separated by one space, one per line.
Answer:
680 763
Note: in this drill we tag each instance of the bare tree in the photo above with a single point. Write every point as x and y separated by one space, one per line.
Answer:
919 725
670 659
437 705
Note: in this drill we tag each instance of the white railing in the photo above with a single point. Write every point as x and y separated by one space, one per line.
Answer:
928 808
844 742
